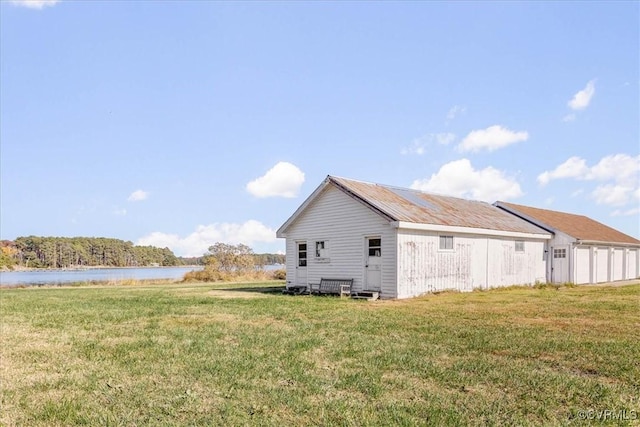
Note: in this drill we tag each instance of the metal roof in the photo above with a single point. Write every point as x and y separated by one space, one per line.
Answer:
413 206
577 226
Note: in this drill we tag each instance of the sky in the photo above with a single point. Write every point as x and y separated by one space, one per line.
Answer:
182 124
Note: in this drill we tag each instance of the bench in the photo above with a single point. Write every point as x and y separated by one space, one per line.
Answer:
332 287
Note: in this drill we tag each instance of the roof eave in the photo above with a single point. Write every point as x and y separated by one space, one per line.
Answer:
600 242
282 231
469 230
525 217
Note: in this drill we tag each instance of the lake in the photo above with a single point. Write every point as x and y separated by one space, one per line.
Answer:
59 277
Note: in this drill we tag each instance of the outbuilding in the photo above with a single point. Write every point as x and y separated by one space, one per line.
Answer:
582 250
403 243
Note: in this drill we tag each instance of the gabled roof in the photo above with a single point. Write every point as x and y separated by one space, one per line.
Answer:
407 208
579 227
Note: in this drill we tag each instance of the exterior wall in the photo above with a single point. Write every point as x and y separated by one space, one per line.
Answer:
476 262
344 223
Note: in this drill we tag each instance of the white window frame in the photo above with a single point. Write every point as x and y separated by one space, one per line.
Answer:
321 251
559 253
447 237
519 243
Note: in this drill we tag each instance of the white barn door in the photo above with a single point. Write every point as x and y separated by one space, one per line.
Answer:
559 264
373 264
301 263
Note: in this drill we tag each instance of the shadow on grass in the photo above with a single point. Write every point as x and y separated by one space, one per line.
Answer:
270 290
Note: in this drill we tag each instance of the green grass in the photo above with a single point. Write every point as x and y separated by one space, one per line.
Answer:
216 354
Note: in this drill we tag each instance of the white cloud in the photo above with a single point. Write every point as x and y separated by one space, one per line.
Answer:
34 4
197 243
491 138
138 196
620 174
613 194
628 212
582 98
620 167
419 145
569 117
574 167
460 179
455 111
282 180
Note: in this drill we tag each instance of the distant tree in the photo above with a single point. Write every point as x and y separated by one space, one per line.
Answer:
8 254
227 258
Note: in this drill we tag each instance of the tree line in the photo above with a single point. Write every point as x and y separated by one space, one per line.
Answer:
71 252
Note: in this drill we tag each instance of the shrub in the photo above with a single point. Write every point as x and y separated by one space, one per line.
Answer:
280 274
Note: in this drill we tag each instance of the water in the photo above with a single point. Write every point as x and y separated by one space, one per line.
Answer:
58 277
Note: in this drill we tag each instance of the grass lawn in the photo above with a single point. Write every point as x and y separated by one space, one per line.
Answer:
216 354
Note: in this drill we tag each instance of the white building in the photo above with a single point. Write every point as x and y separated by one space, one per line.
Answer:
404 243
582 250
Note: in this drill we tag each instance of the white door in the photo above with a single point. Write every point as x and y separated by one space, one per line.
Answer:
373 264
559 264
301 263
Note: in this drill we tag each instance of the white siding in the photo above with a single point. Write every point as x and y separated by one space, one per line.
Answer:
477 262
582 265
344 222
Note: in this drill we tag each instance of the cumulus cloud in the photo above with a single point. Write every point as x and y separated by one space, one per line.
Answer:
582 98
612 194
574 167
619 174
419 145
138 196
34 4
197 243
460 179
491 138
282 180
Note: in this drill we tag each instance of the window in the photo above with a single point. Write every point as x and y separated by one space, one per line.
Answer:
375 247
446 243
519 246
559 253
322 249
302 254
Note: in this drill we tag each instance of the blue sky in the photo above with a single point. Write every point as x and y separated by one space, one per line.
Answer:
181 124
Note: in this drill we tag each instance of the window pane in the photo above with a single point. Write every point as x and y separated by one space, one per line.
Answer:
446 242
519 246
374 242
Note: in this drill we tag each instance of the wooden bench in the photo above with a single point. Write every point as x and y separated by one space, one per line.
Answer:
332 287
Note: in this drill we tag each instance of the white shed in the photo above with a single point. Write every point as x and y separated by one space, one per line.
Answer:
403 243
582 250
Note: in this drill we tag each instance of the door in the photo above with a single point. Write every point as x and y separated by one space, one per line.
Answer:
559 264
301 263
373 264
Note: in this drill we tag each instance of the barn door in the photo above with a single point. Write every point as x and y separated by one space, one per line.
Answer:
373 264
301 263
559 264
